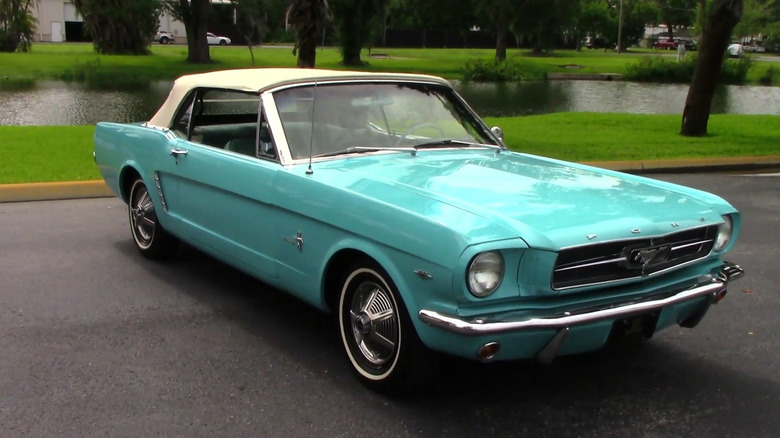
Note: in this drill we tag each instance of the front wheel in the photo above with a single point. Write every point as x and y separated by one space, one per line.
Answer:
378 337
222 42
149 236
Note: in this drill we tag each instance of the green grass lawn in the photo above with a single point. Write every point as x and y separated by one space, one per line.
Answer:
64 153
617 137
46 153
77 61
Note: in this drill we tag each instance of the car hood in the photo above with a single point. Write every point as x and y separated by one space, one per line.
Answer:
550 204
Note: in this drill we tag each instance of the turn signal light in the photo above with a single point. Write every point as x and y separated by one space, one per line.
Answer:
488 351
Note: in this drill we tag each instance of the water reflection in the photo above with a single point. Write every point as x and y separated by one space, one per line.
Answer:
60 103
607 96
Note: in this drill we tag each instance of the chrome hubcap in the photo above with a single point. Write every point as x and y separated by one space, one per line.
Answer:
143 218
374 323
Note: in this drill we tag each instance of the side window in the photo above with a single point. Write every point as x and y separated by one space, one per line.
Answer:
266 147
181 123
223 119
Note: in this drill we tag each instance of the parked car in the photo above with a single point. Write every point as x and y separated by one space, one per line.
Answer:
216 39
163 37
596 43
755 48
665 44
736 50
384 199
689 44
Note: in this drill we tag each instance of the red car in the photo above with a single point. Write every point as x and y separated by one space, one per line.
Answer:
665 44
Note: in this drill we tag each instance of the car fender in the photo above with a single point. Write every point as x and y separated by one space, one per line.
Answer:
419 282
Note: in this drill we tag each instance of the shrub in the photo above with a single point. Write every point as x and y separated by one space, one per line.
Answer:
661 69
768 78
492 71
735 71
666 70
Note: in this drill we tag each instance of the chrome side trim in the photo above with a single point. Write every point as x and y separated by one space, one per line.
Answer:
480 326
160 191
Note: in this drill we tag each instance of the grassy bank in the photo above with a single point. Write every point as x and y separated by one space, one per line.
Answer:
617 137
64 153
72 61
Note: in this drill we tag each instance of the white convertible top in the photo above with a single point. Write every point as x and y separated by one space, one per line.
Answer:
260 79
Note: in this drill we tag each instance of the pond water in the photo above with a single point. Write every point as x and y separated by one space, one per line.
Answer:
60 103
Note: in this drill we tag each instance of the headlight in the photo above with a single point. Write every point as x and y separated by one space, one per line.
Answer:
724 234
485 273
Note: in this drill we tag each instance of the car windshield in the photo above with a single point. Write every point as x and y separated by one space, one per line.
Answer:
328 119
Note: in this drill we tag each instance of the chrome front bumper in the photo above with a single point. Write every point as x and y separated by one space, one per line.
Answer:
715 288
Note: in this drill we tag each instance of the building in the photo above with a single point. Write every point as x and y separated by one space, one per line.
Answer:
58 21
55 17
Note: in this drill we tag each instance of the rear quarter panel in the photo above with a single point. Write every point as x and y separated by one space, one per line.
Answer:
120 147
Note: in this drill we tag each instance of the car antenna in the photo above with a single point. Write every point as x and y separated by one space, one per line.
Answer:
309 171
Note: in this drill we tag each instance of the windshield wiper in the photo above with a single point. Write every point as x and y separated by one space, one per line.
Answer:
451 142
364 149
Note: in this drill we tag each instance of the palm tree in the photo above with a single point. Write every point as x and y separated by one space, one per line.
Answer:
17 25
308 18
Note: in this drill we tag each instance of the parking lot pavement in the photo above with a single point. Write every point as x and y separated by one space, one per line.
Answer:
95 340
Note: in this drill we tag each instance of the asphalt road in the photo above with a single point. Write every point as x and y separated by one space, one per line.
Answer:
96 341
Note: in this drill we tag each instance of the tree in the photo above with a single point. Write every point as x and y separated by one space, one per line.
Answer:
308 18
353 25
17 25
723 17
500 14
546 20
676 13
602 18
120 26
595 19
636 14
759 17
194 14
251 22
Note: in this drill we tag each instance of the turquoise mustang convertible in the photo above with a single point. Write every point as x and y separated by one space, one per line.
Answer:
384 199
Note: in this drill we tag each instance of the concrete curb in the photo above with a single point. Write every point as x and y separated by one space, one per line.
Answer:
689 165
99 189
54 191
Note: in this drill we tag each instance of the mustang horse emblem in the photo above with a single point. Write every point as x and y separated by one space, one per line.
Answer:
646 257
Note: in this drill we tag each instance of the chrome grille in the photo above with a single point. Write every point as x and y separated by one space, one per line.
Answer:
619 260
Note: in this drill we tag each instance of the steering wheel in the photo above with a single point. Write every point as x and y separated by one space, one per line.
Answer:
419 126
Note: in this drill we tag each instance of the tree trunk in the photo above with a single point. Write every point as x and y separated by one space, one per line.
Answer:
196 25
307 52
501 46
352 34
715 39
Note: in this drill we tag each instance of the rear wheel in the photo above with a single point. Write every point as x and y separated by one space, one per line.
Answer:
149 236
378 337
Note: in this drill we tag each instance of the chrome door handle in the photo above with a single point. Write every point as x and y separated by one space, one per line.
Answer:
177 152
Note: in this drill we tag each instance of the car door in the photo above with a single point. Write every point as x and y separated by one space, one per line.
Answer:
219 181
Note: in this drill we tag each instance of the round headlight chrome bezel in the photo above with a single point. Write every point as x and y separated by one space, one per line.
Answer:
725 232
485 273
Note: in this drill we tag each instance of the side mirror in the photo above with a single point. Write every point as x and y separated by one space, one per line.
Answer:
498 132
